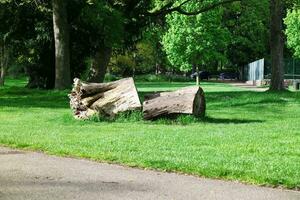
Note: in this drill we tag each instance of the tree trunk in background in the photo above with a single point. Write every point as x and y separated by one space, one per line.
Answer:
99 65
4 57
276 44
2 73
61 38
2 76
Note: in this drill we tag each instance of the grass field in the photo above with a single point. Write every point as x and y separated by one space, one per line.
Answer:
248 136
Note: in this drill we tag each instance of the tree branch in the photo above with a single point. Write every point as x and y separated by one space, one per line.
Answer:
206 8
169 9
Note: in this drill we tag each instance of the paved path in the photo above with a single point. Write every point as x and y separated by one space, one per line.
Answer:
29 175
249 87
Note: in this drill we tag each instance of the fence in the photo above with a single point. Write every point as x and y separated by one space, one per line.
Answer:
261 69
254 71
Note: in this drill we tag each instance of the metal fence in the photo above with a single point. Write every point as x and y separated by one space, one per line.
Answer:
261 69
291 69
254 71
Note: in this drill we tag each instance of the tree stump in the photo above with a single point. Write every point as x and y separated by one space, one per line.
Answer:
108 99
188 100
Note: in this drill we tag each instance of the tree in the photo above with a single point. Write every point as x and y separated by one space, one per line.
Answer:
248 23
103 27
28 32
276 30
4 54
277 44
4 59
5 46
62 44
195 40
292 22
169 6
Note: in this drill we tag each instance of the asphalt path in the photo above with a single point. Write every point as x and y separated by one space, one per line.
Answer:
36 176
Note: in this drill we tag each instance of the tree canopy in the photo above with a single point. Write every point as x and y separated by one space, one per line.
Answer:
177 34
292 21
195 40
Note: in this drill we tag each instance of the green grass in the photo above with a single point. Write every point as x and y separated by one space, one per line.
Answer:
252 137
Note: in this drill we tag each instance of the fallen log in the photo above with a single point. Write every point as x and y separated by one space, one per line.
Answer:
108 99
188 100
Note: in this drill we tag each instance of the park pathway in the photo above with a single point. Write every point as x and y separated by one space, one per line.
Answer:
249 87
36 176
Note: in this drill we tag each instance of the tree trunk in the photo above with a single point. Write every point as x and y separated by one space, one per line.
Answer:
2 65
61 38
4 57
2 76
276 44
108 99
189 100
99 65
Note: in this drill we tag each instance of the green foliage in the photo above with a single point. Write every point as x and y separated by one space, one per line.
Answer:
102 23
233 34
15 70
178 120
123 65
162 77
195 40
141 60
203 40
153 35
145 57
28 32
151 78
125 117
110 77
248 23
292 21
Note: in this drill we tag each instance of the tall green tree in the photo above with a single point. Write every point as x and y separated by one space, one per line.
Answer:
195 40
277 11
248 23
292 22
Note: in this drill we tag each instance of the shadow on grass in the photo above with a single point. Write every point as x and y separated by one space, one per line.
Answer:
229 121
26 98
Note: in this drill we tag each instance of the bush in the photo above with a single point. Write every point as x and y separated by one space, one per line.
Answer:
110 77
16 71
161 77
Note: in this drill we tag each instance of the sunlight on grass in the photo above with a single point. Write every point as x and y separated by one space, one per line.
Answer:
167 86
247 136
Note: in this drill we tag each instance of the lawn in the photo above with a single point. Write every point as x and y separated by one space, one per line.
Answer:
252 137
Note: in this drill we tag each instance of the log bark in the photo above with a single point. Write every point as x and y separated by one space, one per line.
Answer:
188 100
108 99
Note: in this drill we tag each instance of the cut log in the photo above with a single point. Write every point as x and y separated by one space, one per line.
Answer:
188 100
87 99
